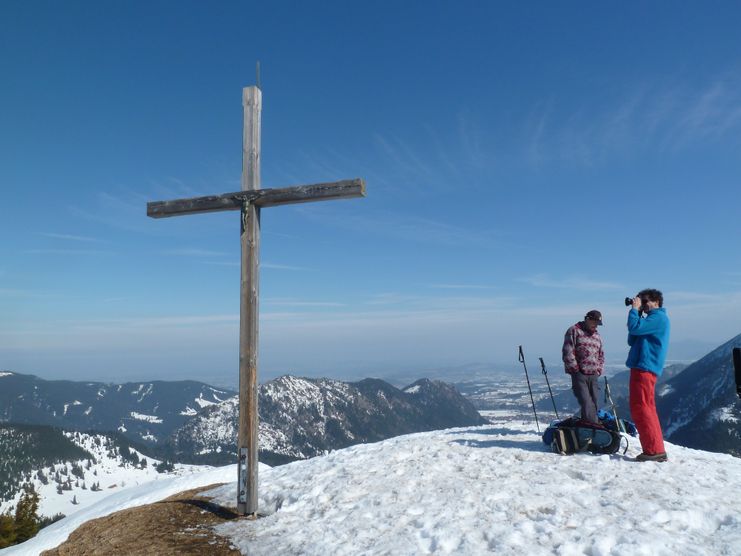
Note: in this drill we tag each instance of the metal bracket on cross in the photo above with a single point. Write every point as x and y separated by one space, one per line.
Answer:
242 476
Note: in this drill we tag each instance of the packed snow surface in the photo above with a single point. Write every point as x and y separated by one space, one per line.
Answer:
494 489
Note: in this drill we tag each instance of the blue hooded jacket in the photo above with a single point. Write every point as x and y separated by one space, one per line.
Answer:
648 339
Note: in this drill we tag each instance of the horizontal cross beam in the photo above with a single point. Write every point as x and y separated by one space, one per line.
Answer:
258 197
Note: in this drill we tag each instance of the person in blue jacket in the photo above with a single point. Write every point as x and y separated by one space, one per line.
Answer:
648 338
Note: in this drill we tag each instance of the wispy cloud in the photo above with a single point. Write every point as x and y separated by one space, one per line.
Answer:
703 299
390 298
405 227
223 263
72 237
173 188
710 112
575 283
285 302
670 115
471 142
440 302
733 278
14 292
194 252
84 252
403 156
460 286
164 321
275 266
120 212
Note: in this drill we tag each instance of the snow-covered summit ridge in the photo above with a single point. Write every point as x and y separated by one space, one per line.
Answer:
494 489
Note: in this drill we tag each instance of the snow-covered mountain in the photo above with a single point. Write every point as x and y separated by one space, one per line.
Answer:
494 489
699 407
71 470
145 412
301 418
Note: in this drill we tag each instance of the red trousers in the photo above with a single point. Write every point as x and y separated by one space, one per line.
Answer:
643 411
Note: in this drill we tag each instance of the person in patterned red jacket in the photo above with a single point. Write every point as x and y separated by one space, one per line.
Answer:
584 360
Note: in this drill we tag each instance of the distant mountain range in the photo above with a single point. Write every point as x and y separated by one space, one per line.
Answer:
147 412
196 423
301 418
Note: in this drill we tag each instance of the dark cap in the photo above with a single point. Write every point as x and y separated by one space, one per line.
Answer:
594 314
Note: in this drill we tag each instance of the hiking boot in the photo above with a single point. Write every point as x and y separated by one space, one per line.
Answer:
652 457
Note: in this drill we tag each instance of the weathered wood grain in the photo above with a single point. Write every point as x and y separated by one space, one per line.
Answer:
344 189
247 436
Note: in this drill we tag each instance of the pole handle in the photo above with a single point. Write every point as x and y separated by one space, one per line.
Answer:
542 366
521 356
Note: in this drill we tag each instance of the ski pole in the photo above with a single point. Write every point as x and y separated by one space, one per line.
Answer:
608 399
545 374
522 360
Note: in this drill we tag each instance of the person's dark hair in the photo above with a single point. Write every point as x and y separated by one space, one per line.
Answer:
652 295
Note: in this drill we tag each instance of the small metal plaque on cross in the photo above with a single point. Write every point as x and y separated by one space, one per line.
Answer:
249 201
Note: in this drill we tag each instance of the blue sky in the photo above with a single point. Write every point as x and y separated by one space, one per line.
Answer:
524 163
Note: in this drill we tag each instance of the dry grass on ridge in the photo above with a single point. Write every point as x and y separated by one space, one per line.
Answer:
181 524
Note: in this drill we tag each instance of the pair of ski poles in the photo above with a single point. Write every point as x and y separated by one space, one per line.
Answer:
532 400
608 395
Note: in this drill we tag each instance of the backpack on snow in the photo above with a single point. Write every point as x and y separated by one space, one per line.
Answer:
572 436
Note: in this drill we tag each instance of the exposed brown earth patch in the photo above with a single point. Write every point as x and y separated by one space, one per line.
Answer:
181 524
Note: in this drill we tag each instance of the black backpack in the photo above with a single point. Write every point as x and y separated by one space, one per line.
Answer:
572 436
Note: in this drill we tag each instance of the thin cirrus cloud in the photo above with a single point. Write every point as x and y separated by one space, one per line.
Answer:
438 302
196 253
84 252
460 286
118 212
704 299
403 156
285 302
405 227
545 281
670 116
156 322
16 293
70 237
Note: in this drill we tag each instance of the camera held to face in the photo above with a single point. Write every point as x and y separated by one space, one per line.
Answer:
628 301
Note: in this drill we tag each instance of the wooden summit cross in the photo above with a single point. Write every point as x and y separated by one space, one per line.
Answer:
249 201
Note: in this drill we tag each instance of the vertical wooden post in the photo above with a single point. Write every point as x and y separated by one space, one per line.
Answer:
247 437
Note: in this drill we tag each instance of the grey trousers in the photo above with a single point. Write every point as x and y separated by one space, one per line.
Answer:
586 390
